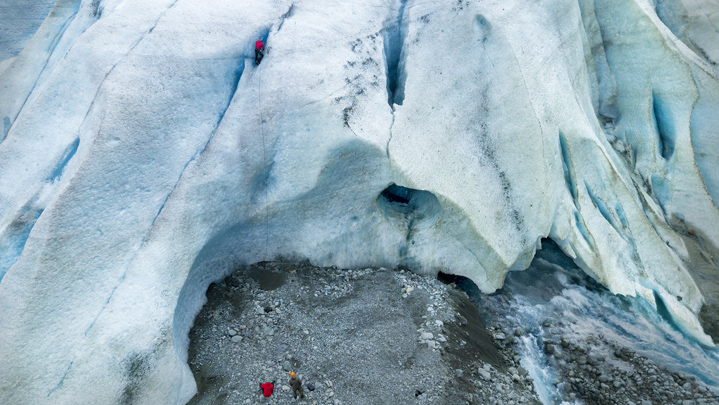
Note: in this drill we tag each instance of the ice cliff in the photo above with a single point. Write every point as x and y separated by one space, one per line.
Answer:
143 155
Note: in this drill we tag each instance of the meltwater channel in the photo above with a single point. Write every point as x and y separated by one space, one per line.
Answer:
553 297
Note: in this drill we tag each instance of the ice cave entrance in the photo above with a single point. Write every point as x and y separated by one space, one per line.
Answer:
417 205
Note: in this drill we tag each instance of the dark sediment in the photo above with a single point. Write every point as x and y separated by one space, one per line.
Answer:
382 336
355 336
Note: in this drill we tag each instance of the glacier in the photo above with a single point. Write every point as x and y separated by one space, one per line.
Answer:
144 156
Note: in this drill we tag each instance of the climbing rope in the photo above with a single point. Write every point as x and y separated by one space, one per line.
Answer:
264 160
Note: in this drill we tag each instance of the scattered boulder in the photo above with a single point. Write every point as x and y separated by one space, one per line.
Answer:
549 349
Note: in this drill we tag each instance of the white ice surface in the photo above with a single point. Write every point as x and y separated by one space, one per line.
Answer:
144 155
19 20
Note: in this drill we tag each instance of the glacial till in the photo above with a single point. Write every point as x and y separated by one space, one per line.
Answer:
378 336
368 336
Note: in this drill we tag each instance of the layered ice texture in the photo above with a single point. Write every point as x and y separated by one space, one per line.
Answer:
143 155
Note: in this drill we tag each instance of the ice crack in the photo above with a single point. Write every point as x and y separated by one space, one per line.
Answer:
394 36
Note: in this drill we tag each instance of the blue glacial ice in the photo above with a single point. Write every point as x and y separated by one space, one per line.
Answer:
145 156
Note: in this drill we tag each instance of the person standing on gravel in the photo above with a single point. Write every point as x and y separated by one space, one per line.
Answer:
296 385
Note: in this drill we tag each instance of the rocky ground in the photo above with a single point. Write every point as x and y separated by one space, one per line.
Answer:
705 271
593 370
370 336
377 336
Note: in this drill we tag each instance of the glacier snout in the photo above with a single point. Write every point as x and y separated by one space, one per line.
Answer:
145 155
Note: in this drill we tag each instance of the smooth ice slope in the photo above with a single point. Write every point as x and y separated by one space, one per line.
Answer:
19 20
144 155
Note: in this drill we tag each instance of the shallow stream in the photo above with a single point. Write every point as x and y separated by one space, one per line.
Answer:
554 291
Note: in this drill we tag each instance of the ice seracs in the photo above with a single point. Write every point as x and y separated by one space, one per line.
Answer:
144 155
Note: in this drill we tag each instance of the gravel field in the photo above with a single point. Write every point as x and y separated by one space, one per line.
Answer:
378 336
369 336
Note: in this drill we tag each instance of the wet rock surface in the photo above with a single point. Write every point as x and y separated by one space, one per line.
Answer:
591 369
634 378
599 372
705 270
353 337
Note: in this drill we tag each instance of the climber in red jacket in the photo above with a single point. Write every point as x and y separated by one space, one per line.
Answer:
259 51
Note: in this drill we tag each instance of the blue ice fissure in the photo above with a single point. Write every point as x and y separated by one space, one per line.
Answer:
602 208
567 166
6 128
62 379
582 229
14 238
394 36
289 13
67 156
662 120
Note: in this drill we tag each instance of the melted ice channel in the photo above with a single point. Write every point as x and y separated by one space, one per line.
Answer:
554 288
